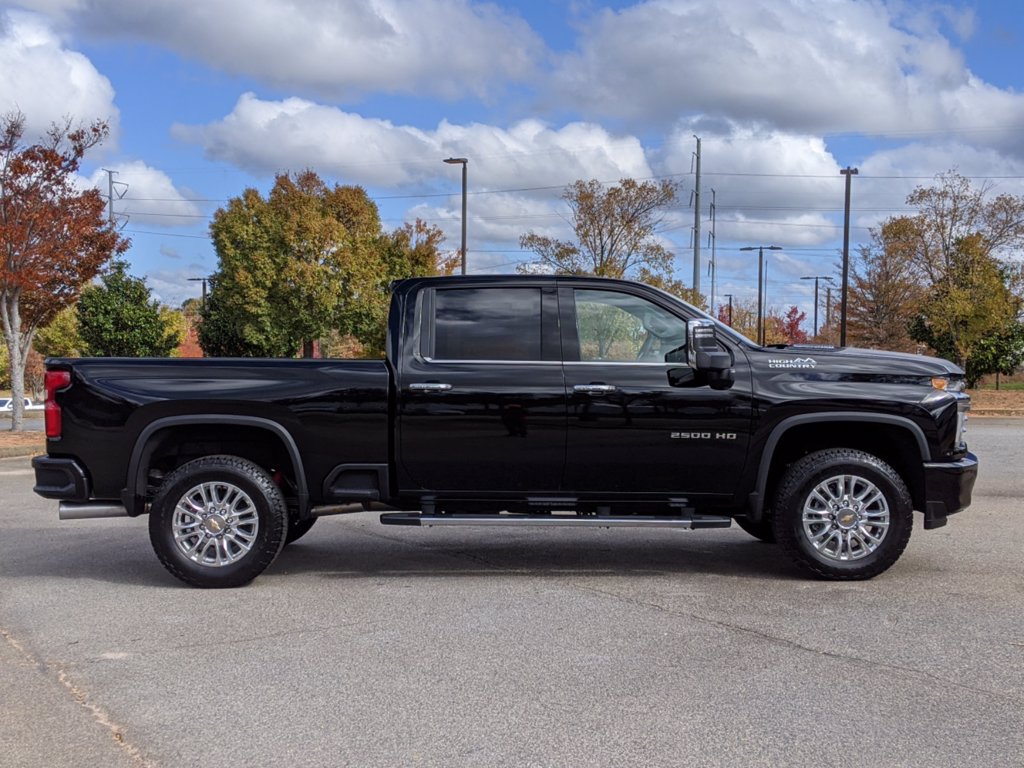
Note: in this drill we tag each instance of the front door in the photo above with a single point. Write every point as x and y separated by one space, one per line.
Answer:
630 430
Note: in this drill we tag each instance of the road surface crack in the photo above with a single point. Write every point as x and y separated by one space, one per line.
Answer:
784 642
81 697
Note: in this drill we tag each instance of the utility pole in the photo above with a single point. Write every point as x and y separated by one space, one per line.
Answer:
828 306
713 242
696 223
122 190
816 278
760 285
729 297
849 173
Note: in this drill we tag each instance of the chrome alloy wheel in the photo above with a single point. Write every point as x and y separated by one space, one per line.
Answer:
845 517
215 524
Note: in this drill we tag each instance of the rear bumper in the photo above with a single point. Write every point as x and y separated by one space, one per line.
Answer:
948 488
62 479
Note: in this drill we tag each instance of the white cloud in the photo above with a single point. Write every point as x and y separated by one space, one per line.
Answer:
172 287
800 66
46 81
268 136
147 195
325 47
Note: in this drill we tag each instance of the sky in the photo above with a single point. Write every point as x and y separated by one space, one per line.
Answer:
207 99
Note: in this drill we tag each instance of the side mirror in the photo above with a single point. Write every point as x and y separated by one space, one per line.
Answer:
681 377
707 356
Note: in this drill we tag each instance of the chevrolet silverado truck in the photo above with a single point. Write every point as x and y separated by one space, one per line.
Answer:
517 400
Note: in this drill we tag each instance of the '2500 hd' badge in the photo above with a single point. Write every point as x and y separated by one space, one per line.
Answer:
702 435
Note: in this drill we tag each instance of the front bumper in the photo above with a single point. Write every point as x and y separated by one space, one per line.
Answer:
948 487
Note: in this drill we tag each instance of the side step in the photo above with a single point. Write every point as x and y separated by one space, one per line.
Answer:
588 521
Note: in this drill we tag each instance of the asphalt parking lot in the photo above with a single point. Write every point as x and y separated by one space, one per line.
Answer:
372 646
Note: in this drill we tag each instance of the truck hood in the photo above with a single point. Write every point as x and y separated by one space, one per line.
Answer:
843 360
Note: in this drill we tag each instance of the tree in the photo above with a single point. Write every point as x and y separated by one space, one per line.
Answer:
307 260
53 237
60 338
886 288
117 318
941 277
788 325
615 231
961 234
971 316
744 317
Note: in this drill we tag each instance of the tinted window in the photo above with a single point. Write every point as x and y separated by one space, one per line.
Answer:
487 324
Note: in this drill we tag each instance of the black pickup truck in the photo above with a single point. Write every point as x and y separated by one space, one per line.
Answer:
508 400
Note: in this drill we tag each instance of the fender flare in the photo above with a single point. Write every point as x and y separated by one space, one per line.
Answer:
757 497
135 480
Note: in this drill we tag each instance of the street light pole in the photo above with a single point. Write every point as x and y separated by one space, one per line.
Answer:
464 162
760 285
729 297
203 281
816 278
849 173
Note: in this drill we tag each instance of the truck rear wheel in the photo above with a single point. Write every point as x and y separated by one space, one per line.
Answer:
843 514
218 521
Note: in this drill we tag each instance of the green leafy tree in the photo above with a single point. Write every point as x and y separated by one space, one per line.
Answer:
616 231
961 233
60 338
306 261
943 277
971 316
117 318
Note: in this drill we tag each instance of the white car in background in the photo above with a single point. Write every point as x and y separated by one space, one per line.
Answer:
7 405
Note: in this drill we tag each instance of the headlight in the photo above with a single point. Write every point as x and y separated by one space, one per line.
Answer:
947 384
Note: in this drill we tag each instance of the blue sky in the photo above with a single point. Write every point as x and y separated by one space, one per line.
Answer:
207 99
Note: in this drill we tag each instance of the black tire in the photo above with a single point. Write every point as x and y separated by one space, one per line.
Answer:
842 514
297 528
230 517
763 530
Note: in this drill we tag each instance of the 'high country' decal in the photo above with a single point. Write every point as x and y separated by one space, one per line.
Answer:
792 362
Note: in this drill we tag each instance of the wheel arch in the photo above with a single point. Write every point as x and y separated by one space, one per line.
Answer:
155 434
897 440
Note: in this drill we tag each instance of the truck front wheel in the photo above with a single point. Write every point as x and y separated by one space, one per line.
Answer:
843 514
218 521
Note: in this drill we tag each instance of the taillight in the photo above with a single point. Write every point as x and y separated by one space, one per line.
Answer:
55 380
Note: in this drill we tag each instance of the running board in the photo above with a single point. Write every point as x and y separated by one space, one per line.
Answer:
588 521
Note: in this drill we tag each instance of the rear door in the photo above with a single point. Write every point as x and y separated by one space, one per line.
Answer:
481 393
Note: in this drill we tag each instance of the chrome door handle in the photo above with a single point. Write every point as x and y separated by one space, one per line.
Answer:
429 386
594 389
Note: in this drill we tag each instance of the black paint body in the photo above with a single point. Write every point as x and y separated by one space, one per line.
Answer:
427 429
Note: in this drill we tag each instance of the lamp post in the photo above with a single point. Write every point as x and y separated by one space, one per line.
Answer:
729 297
464 162
203 281
760 285
816 278
849 173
